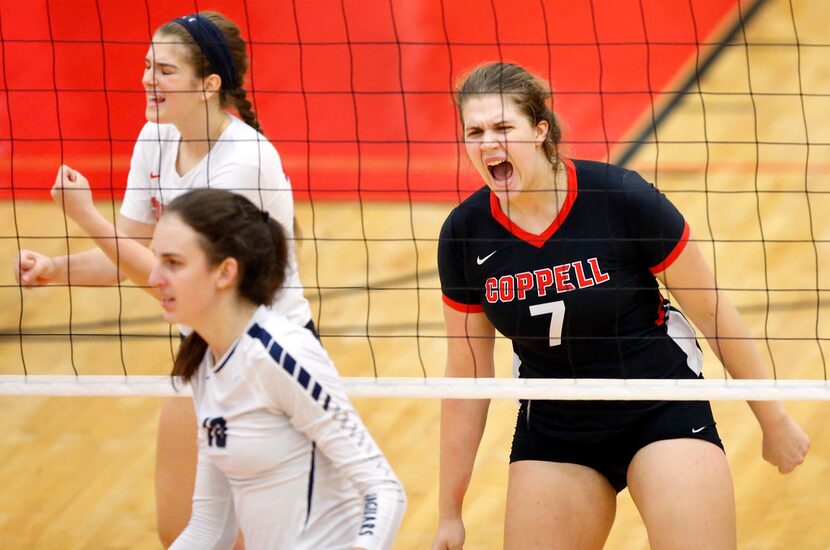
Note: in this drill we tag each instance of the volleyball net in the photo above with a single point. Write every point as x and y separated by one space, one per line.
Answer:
721 104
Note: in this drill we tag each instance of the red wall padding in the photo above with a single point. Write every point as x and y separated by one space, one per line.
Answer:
356 95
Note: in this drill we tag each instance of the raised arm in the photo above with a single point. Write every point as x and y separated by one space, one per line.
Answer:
119 248
470 339
692 284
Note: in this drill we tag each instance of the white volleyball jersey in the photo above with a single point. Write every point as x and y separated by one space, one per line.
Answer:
243 161
283 452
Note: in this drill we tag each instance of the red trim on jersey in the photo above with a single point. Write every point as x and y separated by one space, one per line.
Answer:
463 308
681 244
541 238
661 312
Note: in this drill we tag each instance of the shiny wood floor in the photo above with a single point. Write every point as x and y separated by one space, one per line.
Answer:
77 473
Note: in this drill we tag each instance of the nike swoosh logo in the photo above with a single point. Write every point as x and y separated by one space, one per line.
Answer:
698 430
480 260
154 176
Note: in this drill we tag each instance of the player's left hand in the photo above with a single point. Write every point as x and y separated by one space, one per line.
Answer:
785 444
72 193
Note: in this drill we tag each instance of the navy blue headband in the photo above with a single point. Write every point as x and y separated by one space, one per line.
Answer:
212 43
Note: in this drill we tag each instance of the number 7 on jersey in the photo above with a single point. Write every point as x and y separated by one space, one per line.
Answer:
557 316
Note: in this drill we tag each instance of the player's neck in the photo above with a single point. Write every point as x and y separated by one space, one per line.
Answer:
200 135
535 208
226 324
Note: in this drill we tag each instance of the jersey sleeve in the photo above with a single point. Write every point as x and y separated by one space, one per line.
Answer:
656 225
212 522
136 204
456 291
304 385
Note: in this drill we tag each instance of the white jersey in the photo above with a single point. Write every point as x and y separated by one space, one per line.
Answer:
283 452
243 161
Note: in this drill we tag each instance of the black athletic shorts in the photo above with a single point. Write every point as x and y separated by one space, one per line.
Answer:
611 455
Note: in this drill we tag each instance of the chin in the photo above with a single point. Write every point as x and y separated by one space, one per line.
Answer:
501 191
153 115
170 317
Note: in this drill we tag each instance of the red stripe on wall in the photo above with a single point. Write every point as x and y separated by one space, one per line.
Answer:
344 128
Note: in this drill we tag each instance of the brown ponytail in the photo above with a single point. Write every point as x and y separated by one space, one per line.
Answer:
191 352
245 109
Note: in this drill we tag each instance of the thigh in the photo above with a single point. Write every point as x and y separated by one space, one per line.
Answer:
557 505
683 490
175 467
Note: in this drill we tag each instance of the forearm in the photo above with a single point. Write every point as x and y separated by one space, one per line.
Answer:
462 426
730 339
212 522
126 256
737 350
383 509
693 285
470 340
91 267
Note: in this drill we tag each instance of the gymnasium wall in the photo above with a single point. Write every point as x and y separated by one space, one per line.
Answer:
355 94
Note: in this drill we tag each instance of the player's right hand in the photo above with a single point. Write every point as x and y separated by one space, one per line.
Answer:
71 192
34 269
449 536
785 444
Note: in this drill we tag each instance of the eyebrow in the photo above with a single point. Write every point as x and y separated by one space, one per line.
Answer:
165 255
161 63
475 126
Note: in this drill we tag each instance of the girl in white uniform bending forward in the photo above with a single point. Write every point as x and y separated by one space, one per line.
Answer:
282 453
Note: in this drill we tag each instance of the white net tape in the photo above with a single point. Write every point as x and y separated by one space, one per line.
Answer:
460 388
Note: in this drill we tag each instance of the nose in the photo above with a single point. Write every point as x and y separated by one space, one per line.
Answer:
156 280
148 78
490 140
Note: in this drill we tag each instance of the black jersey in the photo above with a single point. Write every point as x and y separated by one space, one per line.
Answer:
579 300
